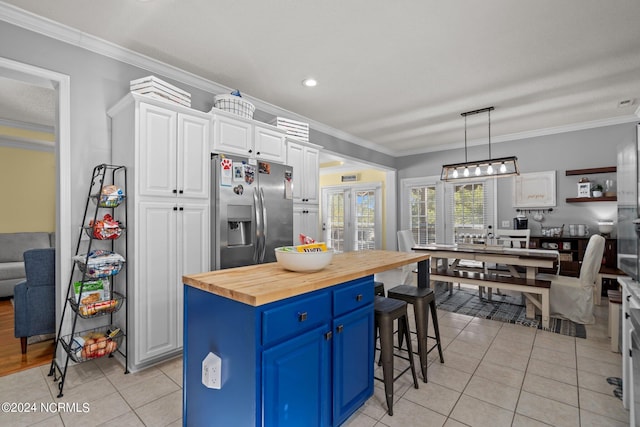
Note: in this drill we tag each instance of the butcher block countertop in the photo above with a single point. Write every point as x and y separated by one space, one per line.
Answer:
264 283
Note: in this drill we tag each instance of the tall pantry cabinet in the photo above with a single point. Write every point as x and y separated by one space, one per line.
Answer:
165 147
304 158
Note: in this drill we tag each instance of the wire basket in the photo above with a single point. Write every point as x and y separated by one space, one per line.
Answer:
234 104
100 308
93 343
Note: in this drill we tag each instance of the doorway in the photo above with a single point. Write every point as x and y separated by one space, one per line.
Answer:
352 217
60 84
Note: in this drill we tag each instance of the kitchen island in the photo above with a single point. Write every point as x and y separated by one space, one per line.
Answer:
295 348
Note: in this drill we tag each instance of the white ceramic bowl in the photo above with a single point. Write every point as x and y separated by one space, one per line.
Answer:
303 261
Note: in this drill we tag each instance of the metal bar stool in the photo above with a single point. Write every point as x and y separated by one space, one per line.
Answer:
379 288
423 300
386 311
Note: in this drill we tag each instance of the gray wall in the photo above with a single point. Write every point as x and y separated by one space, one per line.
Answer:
98 82
582 149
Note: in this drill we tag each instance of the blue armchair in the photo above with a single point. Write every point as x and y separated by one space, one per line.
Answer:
35 298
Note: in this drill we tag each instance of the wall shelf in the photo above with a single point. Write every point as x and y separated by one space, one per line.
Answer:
590 171
591 199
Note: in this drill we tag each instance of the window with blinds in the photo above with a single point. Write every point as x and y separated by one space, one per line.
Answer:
469 205
422 212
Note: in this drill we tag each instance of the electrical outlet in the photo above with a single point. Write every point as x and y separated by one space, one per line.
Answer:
212 371
506 223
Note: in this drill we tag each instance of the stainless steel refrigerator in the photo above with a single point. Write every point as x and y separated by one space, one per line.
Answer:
251 210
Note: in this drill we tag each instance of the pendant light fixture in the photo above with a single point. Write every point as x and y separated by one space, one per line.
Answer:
501 167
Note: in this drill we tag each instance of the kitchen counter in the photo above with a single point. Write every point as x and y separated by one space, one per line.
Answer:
264 283
295 348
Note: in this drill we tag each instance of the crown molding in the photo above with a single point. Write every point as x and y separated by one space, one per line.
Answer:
27 126
27 144
64 33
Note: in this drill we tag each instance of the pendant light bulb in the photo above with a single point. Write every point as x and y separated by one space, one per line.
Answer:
455 173
490 170
478 171
503 168
466 172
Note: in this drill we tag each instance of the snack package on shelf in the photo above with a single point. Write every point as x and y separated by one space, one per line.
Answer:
111 196
94 344
105 228
100 263
92 292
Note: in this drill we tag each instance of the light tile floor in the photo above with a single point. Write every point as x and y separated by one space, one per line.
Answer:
495 374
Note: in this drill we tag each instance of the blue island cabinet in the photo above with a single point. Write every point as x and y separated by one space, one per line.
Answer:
302 361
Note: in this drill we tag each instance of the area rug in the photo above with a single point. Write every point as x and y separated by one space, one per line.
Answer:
506 307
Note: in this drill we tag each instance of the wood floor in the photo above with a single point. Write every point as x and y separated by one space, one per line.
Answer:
11 360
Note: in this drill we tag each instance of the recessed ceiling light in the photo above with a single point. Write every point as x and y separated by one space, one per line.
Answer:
310 82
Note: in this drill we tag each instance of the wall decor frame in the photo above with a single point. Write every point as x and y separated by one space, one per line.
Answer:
537 189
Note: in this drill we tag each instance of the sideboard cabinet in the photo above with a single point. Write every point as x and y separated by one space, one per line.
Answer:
572 252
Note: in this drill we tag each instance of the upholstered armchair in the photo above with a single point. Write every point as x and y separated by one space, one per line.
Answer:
34 298
572 297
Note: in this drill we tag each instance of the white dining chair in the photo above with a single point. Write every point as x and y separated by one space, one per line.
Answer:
512 238
405 244
572 297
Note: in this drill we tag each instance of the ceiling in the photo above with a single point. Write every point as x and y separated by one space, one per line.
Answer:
394 75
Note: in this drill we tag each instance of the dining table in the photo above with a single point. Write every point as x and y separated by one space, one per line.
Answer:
519 263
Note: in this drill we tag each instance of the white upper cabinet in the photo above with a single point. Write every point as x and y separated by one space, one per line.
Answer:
306 169
231 136
269 144
247 138
173 153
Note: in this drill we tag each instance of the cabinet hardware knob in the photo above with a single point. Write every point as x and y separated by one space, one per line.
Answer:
181 208
628 298
257 153
302 317
175 208
328 335
339 329
359 297
175 191
626 315
250 151
181 191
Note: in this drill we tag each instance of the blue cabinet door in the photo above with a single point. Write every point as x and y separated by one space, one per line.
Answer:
297 381
353 355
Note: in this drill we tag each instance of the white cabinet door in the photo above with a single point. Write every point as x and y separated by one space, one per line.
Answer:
193 244
295 158
193 156
306 169
154 307
174 241
157 150
232 136
269 144
311 175
306 220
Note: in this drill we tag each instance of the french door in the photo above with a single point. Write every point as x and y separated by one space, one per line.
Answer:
352 217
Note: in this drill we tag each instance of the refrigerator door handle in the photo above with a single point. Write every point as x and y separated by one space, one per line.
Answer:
257 245
264 226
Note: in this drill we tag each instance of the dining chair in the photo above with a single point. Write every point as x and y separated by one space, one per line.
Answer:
405 244
572 297
512 238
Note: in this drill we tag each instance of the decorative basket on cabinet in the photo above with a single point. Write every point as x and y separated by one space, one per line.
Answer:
234 104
